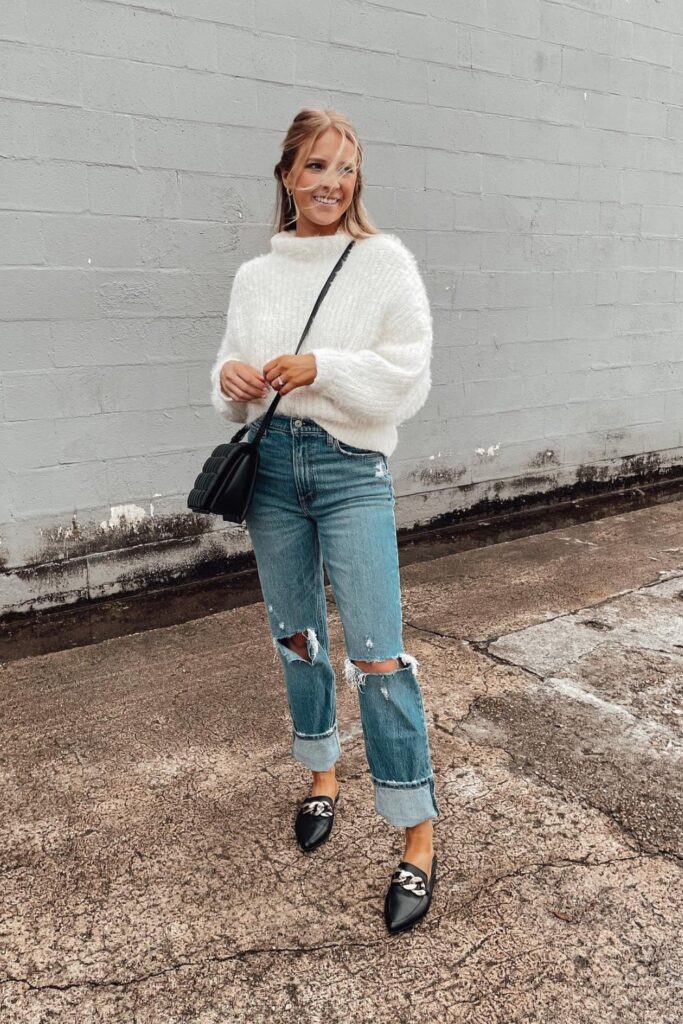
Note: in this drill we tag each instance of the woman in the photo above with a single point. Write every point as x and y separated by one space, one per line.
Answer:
324 493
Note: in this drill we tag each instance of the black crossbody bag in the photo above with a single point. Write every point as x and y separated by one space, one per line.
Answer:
226 483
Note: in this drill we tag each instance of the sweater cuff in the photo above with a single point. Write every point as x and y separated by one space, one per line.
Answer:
325 361
229 408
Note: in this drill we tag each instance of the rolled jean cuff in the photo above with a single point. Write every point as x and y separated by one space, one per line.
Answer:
405 806
317 752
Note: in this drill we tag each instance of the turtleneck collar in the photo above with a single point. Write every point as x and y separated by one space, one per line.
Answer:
288 243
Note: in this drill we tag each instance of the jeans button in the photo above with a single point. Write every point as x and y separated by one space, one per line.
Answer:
298 423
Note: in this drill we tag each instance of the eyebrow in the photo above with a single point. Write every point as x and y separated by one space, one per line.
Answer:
322 160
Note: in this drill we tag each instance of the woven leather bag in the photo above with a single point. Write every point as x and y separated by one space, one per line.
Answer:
226 483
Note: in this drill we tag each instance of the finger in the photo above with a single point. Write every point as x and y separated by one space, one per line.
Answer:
243 384
280 365
249 376
258 387
240 395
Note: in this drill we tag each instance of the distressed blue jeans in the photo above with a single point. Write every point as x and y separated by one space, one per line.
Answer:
320 501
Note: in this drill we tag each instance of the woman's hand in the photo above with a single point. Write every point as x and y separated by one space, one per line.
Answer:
242 381
296 372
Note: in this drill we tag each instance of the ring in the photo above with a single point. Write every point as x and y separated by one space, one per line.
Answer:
281 381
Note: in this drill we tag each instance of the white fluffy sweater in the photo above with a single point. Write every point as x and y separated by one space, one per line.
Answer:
371 336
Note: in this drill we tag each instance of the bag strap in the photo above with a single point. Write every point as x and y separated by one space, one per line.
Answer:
323 292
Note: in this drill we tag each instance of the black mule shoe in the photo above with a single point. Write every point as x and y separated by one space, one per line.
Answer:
314 821
408 896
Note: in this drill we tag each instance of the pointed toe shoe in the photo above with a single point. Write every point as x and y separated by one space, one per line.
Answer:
409 896
314 821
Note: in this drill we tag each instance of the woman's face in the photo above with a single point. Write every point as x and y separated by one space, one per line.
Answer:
316 217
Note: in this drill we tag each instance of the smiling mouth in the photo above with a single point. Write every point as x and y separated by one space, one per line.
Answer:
325 201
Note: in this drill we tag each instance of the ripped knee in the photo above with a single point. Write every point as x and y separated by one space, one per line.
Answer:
298 642
388 665
356 671
304 644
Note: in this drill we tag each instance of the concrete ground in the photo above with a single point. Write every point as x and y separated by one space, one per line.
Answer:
149 871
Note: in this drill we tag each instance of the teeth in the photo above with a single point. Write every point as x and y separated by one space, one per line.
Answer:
327 202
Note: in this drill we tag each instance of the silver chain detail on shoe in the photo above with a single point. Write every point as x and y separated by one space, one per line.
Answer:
407 880
317 807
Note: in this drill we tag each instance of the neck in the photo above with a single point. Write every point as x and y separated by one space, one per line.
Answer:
308 231
309 247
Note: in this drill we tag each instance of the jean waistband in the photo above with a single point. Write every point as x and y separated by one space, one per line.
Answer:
291 424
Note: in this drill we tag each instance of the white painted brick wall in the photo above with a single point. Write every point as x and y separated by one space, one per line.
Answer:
530 154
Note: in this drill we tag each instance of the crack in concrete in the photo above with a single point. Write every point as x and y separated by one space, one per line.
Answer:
431 632
185 964
477 642
612 816
482 647
536 867
462 960
552 682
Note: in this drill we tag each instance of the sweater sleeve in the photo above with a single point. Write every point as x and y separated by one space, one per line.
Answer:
230 408
390 381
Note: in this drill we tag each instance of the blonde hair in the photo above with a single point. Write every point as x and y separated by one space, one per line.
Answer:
298 144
